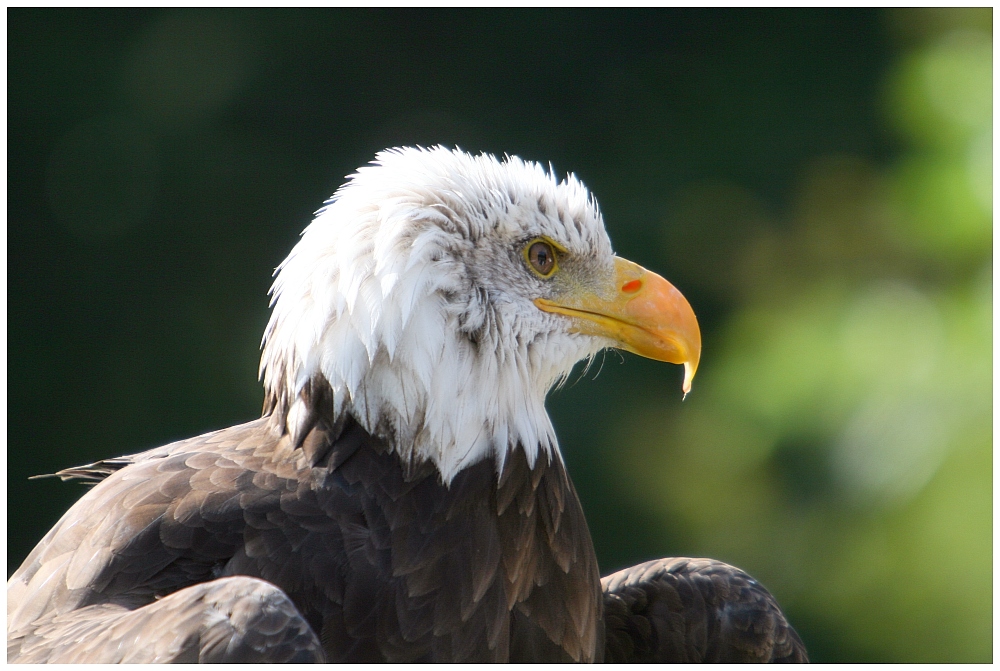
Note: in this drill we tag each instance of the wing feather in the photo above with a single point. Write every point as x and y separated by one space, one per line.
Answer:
230 620
684 610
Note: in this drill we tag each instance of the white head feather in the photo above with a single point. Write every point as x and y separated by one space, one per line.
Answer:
409 294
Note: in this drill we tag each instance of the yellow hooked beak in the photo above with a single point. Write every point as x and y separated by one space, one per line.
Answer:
644 314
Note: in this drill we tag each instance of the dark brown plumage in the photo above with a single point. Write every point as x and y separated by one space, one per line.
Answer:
383 564
692 611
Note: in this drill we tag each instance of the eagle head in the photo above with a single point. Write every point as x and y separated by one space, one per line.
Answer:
441 295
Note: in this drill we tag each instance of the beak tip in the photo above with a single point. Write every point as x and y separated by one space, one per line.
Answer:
689 371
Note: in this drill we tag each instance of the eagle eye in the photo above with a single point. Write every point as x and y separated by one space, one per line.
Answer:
541 257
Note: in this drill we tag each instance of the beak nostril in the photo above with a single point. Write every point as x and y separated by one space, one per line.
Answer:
632 287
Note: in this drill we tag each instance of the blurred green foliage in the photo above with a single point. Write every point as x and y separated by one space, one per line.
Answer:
818 183
840 440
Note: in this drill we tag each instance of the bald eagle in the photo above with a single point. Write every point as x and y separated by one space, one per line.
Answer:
403 497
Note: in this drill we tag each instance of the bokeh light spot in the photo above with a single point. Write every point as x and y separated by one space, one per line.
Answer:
186 66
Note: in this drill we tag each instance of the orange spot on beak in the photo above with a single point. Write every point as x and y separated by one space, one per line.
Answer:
632 287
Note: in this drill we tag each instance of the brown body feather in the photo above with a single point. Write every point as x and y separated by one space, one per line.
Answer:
248 544
381 562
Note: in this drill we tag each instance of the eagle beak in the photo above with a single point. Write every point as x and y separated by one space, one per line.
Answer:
644 314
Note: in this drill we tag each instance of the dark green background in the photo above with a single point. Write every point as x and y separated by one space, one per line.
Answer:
162 163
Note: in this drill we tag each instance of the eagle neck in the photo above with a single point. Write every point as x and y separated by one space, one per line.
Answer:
318 404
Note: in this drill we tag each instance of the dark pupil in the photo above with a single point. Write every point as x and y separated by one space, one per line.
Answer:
541 257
